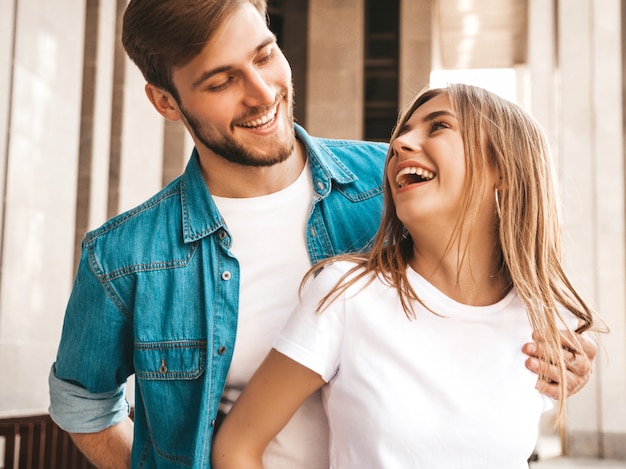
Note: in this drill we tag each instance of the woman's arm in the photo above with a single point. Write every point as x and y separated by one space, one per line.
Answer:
268 402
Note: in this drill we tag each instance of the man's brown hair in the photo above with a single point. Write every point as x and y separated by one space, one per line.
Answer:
160 35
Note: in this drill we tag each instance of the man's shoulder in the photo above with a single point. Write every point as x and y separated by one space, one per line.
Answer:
148 237
161 208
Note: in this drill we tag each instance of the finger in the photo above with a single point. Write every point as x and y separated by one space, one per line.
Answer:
579 357
574 344
575 381
548 389
549 378
578 352
530 349
589 347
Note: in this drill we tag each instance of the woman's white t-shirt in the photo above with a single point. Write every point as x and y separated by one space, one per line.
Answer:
438 391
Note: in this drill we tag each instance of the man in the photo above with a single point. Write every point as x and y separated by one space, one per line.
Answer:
163 290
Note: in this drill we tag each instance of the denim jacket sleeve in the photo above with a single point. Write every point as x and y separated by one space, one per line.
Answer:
77 410
86 396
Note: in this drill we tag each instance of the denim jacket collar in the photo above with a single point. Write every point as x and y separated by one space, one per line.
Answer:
323 162
200 214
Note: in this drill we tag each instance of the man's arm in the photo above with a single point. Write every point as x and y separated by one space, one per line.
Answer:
109 448
579 365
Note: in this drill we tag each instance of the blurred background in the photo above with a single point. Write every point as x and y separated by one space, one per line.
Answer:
79 143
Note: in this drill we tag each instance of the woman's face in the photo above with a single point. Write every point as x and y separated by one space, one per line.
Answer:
426 172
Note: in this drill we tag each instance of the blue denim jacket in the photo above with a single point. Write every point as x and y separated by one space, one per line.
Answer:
156 294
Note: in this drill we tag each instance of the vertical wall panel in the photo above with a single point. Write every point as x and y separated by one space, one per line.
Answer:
608 160
576 173
592 178
7 18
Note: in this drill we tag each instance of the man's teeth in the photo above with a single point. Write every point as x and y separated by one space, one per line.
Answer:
261 120
404 176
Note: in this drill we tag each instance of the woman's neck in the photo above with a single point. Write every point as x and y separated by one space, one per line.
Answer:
470 274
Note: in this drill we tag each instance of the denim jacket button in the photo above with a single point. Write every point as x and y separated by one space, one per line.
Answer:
222 234
320 185
221 350
226 275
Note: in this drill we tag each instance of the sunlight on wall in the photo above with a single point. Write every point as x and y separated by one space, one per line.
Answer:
502 81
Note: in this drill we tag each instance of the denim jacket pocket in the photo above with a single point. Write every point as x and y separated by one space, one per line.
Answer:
170 382
171 360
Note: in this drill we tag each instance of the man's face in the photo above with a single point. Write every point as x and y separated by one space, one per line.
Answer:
236 96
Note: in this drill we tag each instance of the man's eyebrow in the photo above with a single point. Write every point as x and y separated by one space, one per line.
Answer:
224 68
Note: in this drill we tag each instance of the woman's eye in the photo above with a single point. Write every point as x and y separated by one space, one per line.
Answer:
440 125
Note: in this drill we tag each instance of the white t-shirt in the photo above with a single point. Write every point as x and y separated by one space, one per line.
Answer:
448 391
269 242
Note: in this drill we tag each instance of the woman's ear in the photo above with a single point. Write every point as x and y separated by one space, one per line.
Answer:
500 184
163 102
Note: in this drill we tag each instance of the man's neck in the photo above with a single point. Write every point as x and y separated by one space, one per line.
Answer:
227 179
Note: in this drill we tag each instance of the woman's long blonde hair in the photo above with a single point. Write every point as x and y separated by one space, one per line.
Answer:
496 134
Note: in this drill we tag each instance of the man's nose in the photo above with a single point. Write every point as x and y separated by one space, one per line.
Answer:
258 91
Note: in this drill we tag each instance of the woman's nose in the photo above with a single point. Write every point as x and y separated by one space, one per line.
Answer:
403 145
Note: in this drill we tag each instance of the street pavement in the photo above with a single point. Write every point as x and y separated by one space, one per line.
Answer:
560 462
549 449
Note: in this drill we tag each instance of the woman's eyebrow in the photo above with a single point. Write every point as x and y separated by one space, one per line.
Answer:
435 114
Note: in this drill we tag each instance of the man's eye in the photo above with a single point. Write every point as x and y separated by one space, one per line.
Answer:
266 58
221 86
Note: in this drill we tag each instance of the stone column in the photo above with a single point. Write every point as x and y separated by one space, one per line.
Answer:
335 72
416 37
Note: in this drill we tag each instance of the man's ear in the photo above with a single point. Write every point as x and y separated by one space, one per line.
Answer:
163 102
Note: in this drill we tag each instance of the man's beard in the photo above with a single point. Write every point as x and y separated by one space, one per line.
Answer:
224 145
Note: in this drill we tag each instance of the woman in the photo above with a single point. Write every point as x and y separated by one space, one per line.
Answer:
416 344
